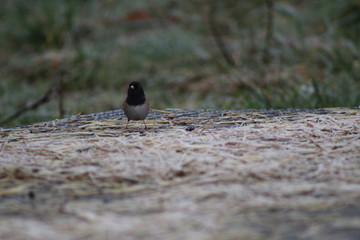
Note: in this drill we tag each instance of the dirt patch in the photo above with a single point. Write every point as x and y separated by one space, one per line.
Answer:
292 174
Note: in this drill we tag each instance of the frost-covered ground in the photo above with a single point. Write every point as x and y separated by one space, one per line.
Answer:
238 175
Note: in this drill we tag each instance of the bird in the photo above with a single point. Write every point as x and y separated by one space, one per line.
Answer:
136 105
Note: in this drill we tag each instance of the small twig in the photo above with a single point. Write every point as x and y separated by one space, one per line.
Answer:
160 111
269 30
44 99
218 38
60 92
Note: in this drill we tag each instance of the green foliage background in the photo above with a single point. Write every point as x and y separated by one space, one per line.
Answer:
95 48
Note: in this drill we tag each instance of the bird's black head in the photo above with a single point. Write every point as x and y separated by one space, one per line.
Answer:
136 95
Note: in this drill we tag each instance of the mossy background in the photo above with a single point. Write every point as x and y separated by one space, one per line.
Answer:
95 48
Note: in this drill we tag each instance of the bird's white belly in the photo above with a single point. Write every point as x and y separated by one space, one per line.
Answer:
138 112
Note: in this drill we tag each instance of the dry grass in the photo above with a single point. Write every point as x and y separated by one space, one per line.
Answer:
240 175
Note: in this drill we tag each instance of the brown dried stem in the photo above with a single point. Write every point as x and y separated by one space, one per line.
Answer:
44 99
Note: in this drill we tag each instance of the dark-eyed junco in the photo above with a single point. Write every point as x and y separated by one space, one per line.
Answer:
136 106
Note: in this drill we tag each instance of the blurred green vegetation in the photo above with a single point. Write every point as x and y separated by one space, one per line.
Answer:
90 50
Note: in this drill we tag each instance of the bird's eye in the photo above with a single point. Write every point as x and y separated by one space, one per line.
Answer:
132 87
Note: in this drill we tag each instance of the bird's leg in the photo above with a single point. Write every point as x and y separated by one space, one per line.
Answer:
127 123
145 124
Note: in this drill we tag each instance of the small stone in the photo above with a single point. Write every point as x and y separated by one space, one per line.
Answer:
190 128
